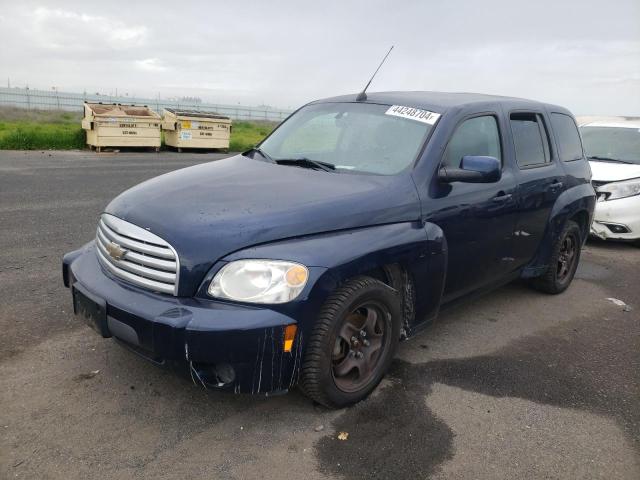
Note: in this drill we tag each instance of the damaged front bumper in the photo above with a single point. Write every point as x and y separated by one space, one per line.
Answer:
220 345
617 219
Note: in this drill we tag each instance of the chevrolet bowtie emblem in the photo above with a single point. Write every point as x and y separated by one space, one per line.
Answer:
116 251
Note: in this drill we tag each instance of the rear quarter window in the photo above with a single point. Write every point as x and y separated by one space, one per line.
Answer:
567 136
530 139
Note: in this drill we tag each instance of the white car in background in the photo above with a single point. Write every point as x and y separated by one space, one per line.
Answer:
613 148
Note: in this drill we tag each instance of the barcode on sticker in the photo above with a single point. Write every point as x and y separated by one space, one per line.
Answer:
412 113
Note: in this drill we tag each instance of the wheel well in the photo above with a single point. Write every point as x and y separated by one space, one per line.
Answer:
379 273
391 274
398 278
582 219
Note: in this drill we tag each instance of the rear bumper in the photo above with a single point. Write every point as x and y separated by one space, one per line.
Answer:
623 212
222 345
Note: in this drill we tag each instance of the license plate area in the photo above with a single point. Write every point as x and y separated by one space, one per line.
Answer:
91 309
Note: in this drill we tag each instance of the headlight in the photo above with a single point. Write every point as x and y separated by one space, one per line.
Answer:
259 281
615 190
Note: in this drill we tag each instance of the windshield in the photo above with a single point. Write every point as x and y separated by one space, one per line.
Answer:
615 143
350 136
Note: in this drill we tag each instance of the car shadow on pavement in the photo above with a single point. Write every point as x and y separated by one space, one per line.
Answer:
573 365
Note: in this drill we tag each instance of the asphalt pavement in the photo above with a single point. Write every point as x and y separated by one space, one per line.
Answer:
514 384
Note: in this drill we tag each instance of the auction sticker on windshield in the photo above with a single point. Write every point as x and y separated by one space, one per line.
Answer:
411 113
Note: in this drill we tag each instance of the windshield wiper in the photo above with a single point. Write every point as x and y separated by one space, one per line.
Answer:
307 163
606 159
261 152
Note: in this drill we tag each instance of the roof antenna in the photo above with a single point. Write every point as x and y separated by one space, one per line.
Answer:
363 95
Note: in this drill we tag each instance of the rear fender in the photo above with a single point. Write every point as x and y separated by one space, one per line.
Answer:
569 203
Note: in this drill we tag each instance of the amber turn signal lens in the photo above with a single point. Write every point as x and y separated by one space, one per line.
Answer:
289 335
296 276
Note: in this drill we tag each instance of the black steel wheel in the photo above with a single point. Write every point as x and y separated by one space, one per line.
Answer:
352 343
566 257
356 353
564 261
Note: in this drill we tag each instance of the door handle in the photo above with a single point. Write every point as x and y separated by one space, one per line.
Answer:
555 185
502 197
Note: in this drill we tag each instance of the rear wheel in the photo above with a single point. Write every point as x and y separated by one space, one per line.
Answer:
564 261
352 343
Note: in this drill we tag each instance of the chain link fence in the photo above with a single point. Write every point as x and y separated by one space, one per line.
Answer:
54 100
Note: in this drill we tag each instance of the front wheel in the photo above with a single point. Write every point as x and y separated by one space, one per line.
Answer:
564 261
353 342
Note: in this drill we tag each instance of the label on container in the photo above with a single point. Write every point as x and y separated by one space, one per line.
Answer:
412 113
195 125
186 124
185 135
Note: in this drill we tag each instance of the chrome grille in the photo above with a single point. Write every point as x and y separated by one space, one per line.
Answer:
137 255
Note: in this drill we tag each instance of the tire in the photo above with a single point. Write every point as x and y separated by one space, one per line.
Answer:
363 304
560 272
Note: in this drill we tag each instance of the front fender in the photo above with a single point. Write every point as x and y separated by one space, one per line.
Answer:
581 198
339 256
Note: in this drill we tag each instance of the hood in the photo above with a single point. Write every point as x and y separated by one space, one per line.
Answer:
613 172
211 210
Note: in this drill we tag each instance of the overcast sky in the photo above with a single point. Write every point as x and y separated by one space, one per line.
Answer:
582 54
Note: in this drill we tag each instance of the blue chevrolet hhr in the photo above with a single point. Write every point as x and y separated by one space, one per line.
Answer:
306 260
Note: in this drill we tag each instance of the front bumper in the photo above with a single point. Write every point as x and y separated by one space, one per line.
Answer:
221 345
623 212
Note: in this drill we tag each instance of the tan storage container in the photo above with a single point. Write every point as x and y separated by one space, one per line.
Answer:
194 129
117 125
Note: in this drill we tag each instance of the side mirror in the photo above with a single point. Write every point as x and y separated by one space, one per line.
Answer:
473 169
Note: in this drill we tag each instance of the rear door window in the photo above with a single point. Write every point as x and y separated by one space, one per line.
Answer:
530 139
567 136
476 136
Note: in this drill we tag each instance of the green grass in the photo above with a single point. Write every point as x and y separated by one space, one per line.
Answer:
24 135
245 135
54 130
22 129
